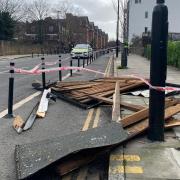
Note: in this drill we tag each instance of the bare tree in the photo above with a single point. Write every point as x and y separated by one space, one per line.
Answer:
14 8
38 10
66 6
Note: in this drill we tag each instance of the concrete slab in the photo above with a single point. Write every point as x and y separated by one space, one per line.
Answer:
145 163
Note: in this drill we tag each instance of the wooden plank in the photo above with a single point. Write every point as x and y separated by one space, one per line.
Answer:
140 115
141 126
124 89
172 123
131 119
116 104
132 107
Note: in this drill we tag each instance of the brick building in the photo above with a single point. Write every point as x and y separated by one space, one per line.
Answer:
65 32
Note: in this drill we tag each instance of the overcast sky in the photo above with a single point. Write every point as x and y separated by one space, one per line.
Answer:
99 11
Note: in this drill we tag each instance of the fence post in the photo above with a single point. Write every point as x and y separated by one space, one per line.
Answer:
158 70
43 73
11 91
60 72
71 66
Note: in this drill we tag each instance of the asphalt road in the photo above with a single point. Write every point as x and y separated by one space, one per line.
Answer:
23 83
62 118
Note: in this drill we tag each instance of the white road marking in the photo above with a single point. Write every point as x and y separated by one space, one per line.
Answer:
29 98
19 104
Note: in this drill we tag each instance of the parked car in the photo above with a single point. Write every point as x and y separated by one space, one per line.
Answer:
82 51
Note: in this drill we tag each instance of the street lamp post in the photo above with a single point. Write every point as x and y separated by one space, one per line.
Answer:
158 71
117 33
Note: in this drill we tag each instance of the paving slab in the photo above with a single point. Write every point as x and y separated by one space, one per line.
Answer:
141 159
146 163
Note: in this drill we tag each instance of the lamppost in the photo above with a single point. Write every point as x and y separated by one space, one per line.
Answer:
158 71
59 34
117 33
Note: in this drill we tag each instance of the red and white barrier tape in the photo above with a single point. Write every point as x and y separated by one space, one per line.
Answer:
64 68
158 88
37 71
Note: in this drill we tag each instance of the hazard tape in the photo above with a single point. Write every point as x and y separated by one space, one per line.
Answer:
35 71
158 88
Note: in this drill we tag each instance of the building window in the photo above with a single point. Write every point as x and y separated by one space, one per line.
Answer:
137 1
33 29
146 29
51 29
146 14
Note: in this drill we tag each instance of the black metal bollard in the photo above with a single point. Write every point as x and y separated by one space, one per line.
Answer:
11 91
60 72
32 54
43 73
83 62
71 66
78 61
158 71
87 61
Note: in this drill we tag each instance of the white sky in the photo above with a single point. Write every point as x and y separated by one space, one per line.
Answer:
101 12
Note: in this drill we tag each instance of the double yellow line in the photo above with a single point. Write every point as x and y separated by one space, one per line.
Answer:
92 119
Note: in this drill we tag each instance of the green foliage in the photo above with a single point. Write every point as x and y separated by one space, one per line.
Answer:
6 26
173 53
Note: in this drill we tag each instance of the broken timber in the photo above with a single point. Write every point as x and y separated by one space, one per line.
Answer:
82 93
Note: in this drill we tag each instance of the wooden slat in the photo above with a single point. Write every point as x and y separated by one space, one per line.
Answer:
143 125
132 107
172 123
123 89
116 104
140 115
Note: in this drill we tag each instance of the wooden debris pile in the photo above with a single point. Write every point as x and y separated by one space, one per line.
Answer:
87 94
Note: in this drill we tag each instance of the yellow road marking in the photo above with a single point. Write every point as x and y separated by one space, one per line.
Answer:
125 157
90 113
96 120
109 68
88 120
127 169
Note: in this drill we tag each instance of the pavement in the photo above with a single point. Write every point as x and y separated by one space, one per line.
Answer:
141 159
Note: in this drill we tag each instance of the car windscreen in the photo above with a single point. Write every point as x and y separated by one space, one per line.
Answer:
81 46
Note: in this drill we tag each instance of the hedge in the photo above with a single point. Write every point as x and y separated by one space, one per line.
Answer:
173 53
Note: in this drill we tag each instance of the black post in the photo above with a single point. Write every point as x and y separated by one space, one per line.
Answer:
11 91
158 71
124 56
83 62
60 72
43 73
32 54
87 61
78 61
71 66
